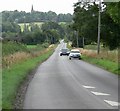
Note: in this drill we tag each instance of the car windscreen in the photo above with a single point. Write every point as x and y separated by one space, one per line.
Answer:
64 50
75 52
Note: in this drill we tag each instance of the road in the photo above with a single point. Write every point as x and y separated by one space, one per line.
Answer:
60 83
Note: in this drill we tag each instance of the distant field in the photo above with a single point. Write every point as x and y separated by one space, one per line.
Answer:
36 23
94 47
27 24
39 23
22 26
31 46
62 23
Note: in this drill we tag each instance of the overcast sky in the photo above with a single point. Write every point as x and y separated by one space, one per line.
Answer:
58 6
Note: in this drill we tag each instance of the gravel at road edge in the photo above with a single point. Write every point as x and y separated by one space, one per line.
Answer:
20 95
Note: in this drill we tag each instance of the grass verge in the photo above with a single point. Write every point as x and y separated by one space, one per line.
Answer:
107 60
15 75
103 63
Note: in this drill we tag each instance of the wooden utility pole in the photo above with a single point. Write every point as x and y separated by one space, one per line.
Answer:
99 23
77 38
83 40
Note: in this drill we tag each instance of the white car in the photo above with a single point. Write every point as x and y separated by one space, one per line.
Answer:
75 53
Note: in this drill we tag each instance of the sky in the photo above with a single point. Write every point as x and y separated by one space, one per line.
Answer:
58 6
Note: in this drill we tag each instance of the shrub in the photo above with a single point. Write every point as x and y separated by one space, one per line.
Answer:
12 47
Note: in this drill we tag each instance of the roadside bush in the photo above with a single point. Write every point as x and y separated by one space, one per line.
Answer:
12 47
45 45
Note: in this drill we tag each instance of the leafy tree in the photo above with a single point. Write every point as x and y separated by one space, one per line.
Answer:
113 10
110 34
64 18
86 22
10 26
53 25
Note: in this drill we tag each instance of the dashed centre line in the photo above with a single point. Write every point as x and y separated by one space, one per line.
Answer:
99 93
112 103
89 87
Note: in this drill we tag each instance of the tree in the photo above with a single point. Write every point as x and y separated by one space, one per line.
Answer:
110 31
35 16
53 25
112 9
10 26
85 21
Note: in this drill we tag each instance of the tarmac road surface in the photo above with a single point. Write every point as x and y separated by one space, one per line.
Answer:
60 83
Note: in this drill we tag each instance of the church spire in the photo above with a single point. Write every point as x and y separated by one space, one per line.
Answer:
32 10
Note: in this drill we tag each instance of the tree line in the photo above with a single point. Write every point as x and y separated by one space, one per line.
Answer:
86 23
35 16
50 31
32 34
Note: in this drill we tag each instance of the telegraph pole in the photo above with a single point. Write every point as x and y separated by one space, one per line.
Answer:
83 41
99 23
77 38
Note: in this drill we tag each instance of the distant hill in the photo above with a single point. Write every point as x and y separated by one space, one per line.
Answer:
35 16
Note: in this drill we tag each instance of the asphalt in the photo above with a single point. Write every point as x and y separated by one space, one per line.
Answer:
60 83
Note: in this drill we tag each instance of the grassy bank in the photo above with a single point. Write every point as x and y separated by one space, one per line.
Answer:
103 63
107 59
12 77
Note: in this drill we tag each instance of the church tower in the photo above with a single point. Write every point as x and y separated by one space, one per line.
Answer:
32 10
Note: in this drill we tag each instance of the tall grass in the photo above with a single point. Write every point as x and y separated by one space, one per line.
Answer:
17 61
15 58
17 73
104 54
15 52
106 59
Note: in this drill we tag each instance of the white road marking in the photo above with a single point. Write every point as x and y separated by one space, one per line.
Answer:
88 87
99 93
112 103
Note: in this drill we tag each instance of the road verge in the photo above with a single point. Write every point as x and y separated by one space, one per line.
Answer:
105 60
15 77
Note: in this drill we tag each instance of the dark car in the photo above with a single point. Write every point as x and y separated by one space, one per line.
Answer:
64 51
